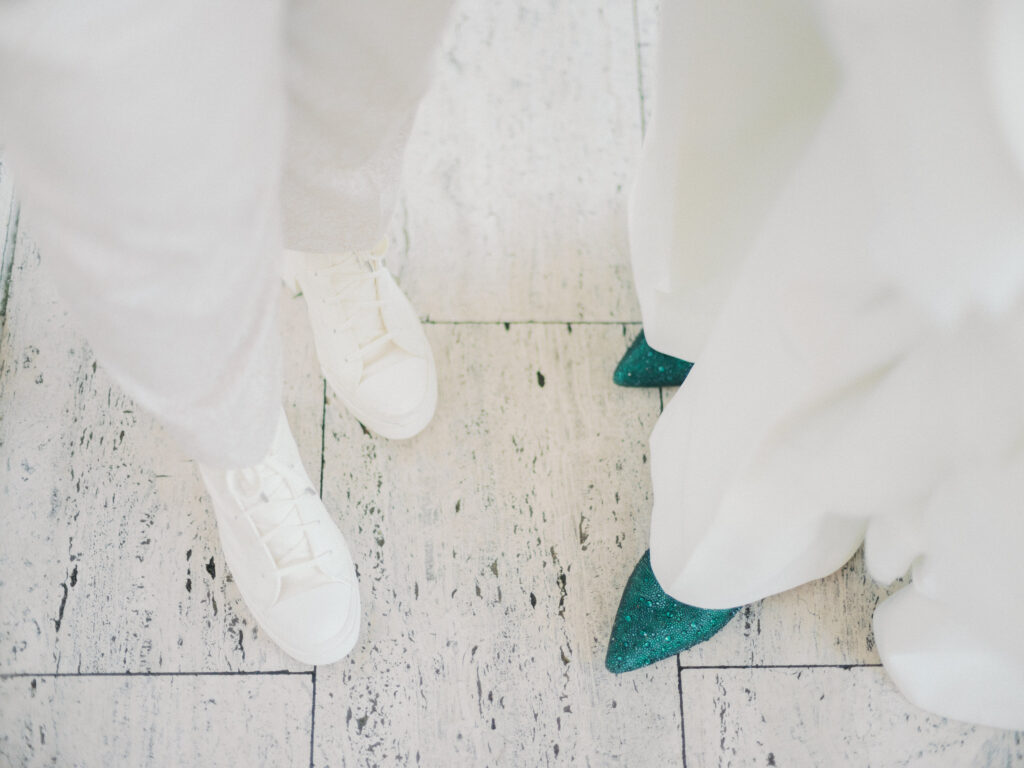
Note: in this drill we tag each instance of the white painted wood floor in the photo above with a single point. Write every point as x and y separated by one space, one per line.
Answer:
491 548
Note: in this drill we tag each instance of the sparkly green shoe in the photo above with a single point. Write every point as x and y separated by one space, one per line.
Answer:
642 366
651 626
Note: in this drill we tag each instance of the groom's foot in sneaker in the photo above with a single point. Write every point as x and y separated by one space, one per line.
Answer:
286 555
371 345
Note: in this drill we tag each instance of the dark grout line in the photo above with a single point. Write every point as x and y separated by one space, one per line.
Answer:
682 718
7 249
312 721
639 69
428 321
686 667
271 672
323 430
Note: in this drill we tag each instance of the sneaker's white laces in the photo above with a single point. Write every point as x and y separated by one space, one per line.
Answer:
342 284
275 514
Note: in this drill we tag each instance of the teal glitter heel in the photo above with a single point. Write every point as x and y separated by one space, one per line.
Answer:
642 366
651 626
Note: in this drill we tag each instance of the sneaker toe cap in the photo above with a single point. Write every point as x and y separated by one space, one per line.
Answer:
319 625
398 390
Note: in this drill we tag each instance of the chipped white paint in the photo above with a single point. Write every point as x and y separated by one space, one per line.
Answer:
101 722
826 717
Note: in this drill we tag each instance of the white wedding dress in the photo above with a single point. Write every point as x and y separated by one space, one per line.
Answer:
829 221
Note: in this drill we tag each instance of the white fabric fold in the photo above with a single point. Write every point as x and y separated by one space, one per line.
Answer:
829 222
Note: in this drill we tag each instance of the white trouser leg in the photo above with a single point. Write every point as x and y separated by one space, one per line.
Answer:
356 72
146 142
149 146
857 326
951 639
711 166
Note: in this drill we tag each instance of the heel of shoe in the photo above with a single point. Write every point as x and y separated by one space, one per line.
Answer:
291 267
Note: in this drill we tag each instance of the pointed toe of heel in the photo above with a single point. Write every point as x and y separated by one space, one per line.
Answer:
643 366
651 626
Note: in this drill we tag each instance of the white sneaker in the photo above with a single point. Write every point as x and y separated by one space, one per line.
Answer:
286 555
371 345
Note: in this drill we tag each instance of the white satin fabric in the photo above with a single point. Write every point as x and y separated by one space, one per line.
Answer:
829 221
165 153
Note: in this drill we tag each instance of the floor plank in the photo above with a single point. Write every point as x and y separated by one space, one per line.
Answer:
518 171
827 716
492 549
210 721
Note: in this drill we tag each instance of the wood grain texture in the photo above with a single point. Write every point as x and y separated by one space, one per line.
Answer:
492 550
519 167
110 560
222 721
827 717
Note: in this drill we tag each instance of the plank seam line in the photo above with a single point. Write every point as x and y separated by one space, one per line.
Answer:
323 430
252 673
312 721
682 716
429 321
639 73
779 666
7 258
